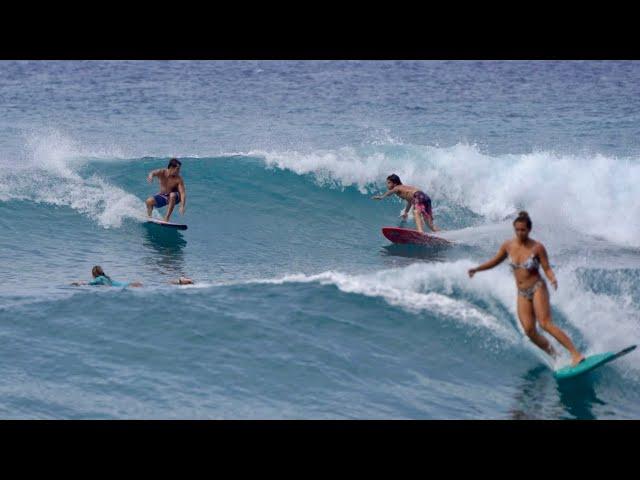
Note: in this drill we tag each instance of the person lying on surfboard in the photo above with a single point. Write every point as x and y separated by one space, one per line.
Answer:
418 199
101 278
533 295
172 190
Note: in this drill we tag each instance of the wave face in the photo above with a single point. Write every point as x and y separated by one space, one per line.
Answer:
301 308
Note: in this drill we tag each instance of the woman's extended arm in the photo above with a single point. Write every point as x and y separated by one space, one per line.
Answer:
499 258
544 262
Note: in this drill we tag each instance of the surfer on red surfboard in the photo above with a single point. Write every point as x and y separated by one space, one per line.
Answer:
172 189
418 199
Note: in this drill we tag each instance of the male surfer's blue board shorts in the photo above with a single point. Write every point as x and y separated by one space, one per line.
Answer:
422 203
102 280
163 198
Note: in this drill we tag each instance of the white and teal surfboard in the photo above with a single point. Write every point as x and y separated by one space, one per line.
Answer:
162 223
590 363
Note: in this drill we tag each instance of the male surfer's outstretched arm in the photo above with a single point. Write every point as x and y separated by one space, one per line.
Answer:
154 173
405 214
385 194
499 258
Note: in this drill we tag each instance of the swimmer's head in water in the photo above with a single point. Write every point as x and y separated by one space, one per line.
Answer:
97 271
174 166
522 225
393 180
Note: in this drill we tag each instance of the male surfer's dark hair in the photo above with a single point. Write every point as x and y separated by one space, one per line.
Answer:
523 217
97 271
174 162
395 179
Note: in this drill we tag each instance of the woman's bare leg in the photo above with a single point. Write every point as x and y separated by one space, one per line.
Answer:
542 311
528 322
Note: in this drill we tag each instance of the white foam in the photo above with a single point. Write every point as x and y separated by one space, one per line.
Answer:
54 151
604 322
607 322
412 288
48 174
594 194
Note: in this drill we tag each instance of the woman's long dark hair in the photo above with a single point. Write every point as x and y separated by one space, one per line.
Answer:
523 217
97 271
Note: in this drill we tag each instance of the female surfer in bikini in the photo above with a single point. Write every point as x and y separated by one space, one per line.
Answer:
533 295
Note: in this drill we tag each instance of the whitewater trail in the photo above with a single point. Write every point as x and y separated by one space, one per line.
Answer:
482 302
559 191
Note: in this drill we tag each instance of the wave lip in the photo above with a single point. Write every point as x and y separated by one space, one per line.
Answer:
488 301
49 175
408 288
593 194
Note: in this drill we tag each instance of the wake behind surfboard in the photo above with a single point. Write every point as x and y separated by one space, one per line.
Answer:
590 363
412 237
177 226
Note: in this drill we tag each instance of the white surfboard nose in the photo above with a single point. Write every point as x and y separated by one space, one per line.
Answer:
178 226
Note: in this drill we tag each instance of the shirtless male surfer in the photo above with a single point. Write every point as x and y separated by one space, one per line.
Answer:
420 201
172 189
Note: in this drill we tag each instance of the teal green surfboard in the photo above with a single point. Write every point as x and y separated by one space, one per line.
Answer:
591 362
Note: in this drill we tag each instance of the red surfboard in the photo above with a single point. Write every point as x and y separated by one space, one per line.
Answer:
413 237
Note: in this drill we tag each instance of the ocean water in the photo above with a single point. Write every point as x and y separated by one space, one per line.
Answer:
301 308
